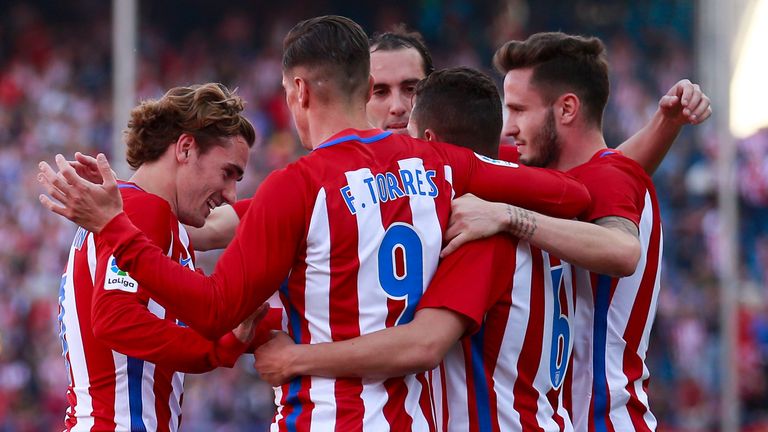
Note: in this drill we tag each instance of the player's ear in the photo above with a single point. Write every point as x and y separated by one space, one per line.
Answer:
567 108
184 145
302 91
430 135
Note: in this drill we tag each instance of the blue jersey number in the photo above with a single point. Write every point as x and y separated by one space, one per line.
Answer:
561 333
401 267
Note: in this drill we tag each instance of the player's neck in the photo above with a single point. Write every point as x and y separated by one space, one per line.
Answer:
579 147
329 121
155 178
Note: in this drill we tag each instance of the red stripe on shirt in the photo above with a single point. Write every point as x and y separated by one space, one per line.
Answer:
641 310
344 306
99 359
526 395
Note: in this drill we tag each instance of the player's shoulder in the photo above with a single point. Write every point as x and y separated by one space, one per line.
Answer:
144 208
608 163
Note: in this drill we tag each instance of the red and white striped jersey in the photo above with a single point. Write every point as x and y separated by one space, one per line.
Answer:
614 316
125 355
507 373
357 228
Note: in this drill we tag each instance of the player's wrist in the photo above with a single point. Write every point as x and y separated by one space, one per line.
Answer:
667 121
500 215
511 220
522 223
295 361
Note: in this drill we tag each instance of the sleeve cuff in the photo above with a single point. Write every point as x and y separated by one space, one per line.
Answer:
228 349
473 323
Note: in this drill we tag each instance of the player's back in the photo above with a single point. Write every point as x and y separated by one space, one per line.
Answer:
614 316
509 375
377 208
109 390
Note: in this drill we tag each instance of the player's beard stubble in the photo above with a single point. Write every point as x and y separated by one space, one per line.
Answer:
546 142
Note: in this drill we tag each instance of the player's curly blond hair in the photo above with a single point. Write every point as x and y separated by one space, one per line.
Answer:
208 112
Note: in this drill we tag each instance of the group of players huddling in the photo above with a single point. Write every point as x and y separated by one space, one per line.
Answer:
419 285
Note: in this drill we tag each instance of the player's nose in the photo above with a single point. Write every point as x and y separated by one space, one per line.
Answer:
510 130
399 106
229 193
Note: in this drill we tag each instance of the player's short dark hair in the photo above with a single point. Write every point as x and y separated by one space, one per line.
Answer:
562 63
463 107
208 112
400 37
332 47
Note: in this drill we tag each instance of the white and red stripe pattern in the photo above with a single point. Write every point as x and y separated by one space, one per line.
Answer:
509 375
109 390
613 322
614 326
325 301
357 227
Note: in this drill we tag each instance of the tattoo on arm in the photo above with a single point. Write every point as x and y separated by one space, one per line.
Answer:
522 222
620 223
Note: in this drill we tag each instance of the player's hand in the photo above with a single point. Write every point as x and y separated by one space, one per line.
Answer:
86 167
273 359
685 103
473 219
245 331
87 204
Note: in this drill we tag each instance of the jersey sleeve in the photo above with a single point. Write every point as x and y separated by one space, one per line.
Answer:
546 191
122 321
616 190
241 207
251 268
472 279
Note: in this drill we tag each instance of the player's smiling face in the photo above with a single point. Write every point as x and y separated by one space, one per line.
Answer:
530 121
395 75
208 180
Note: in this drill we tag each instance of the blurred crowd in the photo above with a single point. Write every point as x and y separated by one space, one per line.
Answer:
55 97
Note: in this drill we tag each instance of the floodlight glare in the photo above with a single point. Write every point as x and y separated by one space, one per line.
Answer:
749 85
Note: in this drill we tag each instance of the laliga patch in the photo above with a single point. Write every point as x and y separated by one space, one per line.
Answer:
496 161
117 279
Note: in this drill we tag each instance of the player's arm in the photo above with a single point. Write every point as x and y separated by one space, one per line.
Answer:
220 226
130 328
447 311
610 245
546 191
122 321
410 348
218 231
683 104
248 272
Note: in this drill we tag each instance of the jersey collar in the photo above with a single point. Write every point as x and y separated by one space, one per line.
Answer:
364 136
128 185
